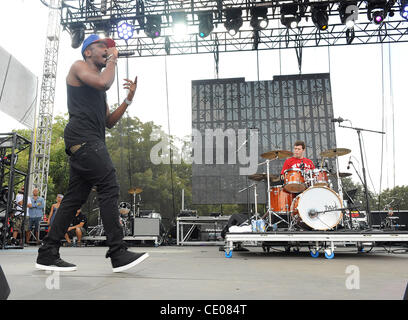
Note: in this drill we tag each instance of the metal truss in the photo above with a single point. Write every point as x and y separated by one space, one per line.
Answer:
100 15
42 145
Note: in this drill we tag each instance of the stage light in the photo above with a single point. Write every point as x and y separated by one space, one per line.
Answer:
125 30
233 20
348 11
77 35
404 9
103 28
377 11
290 17
320 17
259 18
153 26
179 24
205 25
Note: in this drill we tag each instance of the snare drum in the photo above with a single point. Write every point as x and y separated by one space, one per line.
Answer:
280 199
316 209
320 177
294 181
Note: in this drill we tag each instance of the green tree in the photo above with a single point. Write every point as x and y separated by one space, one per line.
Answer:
58 167
395 198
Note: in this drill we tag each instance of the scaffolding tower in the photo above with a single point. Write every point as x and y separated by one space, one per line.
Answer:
43 128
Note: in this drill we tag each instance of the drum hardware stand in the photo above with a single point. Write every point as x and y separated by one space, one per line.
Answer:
236 152
269 211
255 197
98 229
351 208
138 209
134 192
363 168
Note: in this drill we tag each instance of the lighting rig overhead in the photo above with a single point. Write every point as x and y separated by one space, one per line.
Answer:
77 35
235 25
206 25
320 16
259 18
125 30
179 24
289 15
404 9
153 26
377 10
233 20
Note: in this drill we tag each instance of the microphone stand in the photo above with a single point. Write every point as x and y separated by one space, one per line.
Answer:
363 168
247 184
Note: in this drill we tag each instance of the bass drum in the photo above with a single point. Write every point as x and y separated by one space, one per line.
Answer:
315 209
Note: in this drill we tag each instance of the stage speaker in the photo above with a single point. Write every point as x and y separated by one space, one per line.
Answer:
4 287
146 227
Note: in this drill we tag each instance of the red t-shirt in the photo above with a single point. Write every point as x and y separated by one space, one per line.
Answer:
295 163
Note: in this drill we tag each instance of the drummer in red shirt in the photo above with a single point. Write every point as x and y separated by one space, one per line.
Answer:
298 161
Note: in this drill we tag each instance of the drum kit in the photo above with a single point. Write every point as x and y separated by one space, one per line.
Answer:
305 196
127 213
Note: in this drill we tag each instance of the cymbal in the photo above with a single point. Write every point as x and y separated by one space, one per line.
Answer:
331 153
342 174
135 190
262 176
277 154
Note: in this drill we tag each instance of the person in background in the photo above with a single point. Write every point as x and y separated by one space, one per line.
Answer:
36 213
53 211
77 228
298 161
19 224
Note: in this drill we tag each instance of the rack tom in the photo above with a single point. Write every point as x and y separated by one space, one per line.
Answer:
320 177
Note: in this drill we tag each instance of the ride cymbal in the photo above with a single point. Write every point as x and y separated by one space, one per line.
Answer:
277 154
135 190
337 152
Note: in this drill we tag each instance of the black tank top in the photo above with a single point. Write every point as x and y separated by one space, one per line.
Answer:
87 115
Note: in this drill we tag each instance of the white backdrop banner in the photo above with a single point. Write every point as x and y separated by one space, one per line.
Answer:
18 90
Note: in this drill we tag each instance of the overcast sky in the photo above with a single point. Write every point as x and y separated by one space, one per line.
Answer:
356 79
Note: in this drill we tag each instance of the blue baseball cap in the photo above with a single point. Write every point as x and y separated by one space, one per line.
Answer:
93 38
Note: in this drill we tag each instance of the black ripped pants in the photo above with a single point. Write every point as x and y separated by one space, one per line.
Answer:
90 166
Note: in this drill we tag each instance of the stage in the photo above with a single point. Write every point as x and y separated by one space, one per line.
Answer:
203 272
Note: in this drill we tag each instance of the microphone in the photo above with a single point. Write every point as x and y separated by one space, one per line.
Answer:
339 119
302 165
349 162
126 53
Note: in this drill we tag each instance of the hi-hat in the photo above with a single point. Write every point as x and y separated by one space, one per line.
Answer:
135 190
277 154
332 153
262 176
